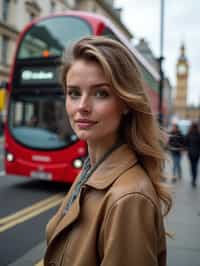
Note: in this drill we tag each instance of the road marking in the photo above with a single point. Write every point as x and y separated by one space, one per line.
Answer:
29 212
2 173
40 263
29 209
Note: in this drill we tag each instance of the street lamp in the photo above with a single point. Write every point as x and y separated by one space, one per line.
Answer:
160 59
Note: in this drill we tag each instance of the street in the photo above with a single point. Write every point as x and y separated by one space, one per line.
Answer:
32 202
25 208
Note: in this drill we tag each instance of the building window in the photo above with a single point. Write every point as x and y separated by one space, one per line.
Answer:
5 9
32 16
53 5
4 50
33 9
70 3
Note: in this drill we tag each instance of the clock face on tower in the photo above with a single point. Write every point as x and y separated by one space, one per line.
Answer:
182 69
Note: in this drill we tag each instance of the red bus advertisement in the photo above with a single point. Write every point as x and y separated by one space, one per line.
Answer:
39 142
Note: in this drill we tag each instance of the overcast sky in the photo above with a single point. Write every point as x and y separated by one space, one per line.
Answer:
182 24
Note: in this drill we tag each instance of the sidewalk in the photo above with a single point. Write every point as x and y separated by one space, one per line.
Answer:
184 221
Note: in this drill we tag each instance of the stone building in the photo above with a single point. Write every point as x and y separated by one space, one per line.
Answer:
181 108
182 74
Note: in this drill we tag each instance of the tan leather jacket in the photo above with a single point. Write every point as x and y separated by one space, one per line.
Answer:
115 221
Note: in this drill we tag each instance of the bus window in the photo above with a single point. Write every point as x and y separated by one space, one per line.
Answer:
51 36
40 123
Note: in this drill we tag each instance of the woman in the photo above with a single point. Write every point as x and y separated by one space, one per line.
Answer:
176 146
193 149
112 214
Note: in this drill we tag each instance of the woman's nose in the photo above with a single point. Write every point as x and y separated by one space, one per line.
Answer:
84 104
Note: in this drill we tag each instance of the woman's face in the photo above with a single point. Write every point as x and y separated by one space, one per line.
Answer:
93 108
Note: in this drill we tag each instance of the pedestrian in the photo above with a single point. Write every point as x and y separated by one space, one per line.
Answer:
192 141
112 215
176 146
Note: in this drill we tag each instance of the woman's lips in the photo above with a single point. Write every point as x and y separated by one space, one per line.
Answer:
85 124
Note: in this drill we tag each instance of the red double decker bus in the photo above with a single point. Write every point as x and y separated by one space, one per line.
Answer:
39 142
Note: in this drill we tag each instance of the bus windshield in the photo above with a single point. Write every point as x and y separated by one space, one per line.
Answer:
40 122
51 36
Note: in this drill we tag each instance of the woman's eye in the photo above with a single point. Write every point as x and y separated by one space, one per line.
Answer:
73 93
101 94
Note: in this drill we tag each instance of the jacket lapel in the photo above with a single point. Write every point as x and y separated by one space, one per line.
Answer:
118 162
69 218
108 171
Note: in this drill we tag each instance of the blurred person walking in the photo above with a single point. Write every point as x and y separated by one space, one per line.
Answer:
192 142
176 145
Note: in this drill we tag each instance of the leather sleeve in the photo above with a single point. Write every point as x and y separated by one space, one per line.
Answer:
131 233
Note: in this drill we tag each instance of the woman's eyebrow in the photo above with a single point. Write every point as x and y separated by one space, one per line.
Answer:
73 87
102 84
96 85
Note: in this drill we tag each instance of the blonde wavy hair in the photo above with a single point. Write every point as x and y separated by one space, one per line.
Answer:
139 127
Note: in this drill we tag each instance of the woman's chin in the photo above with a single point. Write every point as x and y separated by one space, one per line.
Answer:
86 137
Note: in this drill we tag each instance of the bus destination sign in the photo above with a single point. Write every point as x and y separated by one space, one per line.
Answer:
34 76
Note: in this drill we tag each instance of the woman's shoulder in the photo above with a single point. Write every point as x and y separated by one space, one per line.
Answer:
135 182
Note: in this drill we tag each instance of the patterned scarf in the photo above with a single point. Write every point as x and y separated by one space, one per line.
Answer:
86 173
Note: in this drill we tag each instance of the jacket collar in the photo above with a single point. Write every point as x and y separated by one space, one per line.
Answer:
112 167
121 159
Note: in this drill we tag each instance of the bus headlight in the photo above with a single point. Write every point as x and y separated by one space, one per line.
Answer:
9 157
77 163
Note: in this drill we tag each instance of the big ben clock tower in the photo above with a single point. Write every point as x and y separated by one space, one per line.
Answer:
182 71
